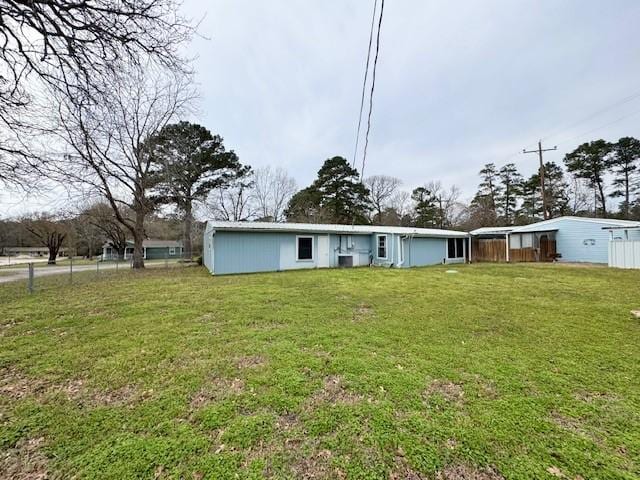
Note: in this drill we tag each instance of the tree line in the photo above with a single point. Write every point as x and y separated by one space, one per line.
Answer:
599 178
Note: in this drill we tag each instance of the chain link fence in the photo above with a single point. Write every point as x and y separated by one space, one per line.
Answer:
36 276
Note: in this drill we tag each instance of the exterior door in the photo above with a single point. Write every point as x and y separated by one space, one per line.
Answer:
323 251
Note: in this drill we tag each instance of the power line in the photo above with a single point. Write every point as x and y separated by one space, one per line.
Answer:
364 82
624 117
593 115
373 86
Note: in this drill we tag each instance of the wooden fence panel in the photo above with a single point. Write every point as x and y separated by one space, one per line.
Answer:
488 250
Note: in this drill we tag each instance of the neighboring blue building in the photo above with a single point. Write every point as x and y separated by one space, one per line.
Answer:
565 239
243 247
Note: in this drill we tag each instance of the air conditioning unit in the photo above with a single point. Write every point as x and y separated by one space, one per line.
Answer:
345 261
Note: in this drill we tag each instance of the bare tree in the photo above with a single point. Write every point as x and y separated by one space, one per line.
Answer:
71 47
109 141
272 190
50 230
382 188
447 203
234 204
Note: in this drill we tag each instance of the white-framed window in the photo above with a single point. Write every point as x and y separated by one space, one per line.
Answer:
455 248
172 250
304 248
381 249
527 240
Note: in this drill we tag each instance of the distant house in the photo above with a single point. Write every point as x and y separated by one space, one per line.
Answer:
31 251
242 247
153 249
564 239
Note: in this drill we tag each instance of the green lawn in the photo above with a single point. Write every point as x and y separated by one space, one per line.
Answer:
494 372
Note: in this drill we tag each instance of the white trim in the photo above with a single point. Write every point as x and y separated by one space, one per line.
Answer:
386 246
172 251
313 249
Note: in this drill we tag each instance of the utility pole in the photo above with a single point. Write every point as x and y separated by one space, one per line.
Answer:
545 212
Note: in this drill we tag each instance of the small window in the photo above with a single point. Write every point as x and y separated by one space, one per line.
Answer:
304 248
382 246
172 250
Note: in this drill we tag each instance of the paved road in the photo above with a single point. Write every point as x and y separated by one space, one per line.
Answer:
21 273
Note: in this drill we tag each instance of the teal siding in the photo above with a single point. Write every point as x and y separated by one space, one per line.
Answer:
155 253
581 241
244 252
425 251
229 252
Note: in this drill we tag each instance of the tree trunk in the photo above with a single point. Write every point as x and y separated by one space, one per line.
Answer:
138 238
187 252
626 192
602 200
53 254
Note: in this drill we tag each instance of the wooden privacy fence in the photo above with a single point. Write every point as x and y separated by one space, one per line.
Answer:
494 250
488 250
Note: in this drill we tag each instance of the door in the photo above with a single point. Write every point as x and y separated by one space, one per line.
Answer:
323 251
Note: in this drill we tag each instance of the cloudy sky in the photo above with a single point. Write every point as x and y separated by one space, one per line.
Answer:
459 84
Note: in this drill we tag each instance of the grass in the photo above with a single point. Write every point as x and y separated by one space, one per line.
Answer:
514 372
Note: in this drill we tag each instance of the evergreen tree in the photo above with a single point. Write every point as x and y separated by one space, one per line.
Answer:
192 162
489 187
591 162
426 209
556 190
336 196
510 192
624 160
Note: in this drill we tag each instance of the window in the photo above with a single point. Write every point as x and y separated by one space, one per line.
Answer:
527 240
304 248
514 241
455 248
382 246
172 250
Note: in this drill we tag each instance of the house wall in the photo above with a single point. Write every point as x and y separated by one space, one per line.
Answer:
155 253
425 251
582 241
229 252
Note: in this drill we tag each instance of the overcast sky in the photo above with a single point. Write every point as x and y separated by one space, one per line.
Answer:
459 84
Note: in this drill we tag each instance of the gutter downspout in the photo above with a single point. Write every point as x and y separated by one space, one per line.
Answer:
401 250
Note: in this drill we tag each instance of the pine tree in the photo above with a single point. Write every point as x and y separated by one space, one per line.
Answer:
511 189
426 210
625 159
337 196
489 187
591 162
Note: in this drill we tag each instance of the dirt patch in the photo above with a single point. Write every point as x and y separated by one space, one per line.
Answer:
252 361
466 472
287 421
590 397
450 391
363 312
16 386
25 461
567 423
402 470
216 389
334 392
316 466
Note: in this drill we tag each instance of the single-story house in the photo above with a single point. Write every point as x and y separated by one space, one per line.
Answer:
243 247
153 249
563 239
31 251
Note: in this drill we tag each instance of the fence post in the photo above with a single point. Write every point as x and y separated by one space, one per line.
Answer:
117 259
97 267
71 269
30 281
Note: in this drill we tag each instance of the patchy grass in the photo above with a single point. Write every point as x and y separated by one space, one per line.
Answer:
513 372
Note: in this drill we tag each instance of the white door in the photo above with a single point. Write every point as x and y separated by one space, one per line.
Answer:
323 251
